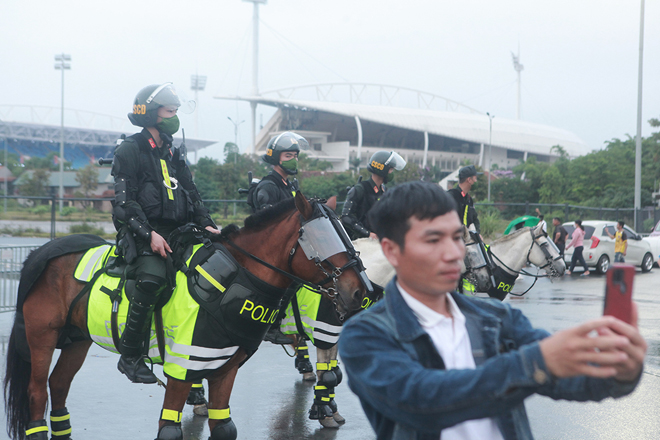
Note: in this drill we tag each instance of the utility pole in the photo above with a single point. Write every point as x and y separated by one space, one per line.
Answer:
197 83
490 148
518 68
638 137
255 69
61 64
235 136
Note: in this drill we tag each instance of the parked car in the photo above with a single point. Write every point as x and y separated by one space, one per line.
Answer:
599 247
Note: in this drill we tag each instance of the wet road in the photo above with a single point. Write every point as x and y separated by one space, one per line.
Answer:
271 402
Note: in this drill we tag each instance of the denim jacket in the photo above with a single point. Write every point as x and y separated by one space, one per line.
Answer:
407 394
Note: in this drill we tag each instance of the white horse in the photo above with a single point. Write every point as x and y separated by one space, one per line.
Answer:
508 255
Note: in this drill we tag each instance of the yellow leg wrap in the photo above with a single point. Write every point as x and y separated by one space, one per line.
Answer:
320 366
62 433
35 430
197 385
333 363
219 414
170 415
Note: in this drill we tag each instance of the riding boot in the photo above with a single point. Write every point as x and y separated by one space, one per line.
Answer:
138 322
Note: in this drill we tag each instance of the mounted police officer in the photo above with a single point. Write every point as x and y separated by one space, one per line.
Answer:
364 195
282 153
467 176
154 194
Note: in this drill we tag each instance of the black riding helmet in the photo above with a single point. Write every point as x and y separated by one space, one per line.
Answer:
287 141
151 98
382 161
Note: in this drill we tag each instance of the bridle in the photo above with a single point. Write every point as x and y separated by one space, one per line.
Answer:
328 269
550 273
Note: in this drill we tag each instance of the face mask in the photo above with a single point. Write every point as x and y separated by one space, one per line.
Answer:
169 125
290 166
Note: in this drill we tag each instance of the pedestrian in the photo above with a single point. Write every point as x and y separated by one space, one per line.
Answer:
154 194
428 363
559 236
467 177
364 195
542 222
577 241
620 242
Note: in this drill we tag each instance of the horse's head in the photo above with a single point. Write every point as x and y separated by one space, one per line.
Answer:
544 254
328 258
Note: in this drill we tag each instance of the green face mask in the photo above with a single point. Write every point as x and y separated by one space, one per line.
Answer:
169 125
290 166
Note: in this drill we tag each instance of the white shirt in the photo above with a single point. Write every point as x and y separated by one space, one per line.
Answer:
451 339
544 225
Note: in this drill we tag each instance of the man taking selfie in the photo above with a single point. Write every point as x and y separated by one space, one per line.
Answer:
428 363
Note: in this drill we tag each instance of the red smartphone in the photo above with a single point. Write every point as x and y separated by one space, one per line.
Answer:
618 292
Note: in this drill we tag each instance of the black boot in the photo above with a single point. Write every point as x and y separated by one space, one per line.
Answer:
276 336
131 362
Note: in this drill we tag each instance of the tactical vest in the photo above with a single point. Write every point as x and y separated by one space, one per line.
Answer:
157 201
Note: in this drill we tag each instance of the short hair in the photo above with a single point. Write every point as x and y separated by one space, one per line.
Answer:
621 223
558 219
389 217
541 217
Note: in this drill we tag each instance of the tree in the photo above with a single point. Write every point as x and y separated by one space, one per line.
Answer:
36 184
88 178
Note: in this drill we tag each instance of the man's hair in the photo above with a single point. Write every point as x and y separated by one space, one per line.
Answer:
541 217
621 223
558 219
389 217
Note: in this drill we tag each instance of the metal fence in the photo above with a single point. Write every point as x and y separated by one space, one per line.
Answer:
11 262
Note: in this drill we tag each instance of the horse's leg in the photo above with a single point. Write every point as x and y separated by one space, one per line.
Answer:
324 408
221 383
302 363
69 363
169 425
197 398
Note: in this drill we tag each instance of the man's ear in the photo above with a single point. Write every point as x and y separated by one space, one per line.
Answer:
392 251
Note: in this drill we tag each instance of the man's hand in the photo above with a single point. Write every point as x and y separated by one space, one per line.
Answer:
617 351
212 230
159 245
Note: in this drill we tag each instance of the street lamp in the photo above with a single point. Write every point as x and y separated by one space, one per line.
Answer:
490 148
235 135
61 64
197 83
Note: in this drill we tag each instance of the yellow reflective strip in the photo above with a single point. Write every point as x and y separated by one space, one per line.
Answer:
219 414
170 414
210 279
320 387
166 178
303 348
322 366
294 193
60 418
332 396
306 356
465 216
62 433
333 363
29 432
325 399
197 385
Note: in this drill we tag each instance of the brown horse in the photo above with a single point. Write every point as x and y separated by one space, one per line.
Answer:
272 236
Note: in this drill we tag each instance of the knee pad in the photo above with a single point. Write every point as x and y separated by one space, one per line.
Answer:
328 377
172 429
335 369
148 287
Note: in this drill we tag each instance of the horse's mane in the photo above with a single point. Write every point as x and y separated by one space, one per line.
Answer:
266 216
511 236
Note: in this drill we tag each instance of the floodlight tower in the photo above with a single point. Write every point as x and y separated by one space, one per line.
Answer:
255 68
519 68
61 64
197 83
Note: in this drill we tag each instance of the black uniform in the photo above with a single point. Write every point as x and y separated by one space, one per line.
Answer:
359 201
465 207
273 189
143 204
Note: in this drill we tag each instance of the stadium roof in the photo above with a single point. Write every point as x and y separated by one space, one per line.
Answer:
506 133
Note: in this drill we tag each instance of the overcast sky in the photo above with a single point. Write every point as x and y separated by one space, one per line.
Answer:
580 57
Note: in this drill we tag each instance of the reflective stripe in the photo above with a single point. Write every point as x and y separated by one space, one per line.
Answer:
333 363
197 385
90 263
194 350
196 365
171 415
219 414
166 178
465 215
325 337
210 279
303 348
35 430
314 324
61 433
60 418
322 366
320 387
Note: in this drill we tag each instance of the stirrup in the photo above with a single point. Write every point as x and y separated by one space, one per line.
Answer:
136 370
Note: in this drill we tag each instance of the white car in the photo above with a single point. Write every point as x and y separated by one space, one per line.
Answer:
599 247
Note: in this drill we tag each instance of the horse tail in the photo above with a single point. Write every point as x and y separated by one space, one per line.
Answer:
17 379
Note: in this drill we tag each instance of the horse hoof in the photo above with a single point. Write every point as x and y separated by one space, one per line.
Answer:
329 422
201 410
308 377
338 418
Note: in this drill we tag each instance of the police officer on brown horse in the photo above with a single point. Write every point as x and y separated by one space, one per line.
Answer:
154 194
364 195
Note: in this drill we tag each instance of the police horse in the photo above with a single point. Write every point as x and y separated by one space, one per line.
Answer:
233 290
492 270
